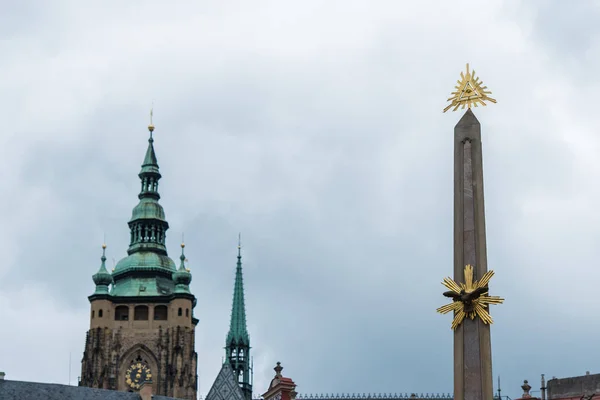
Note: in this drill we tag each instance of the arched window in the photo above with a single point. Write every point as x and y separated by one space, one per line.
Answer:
179 312
100 313
160 313
122 313
187 312
140 313
92 314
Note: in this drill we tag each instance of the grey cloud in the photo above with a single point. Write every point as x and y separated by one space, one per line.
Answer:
566 28
335 166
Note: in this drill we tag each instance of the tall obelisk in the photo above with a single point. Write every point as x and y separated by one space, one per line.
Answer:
469 289
472 348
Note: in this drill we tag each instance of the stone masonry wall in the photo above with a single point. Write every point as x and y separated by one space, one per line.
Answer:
576 387
168 349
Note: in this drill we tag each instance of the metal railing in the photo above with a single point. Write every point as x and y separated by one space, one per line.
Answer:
389 396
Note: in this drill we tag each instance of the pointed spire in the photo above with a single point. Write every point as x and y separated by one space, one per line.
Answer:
237 344
182 257
238 332
148 224
102 278
182 277
150 164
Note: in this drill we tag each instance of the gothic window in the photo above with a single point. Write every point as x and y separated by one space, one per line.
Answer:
160 313
92 314
140 313
122 313
179 312
99 314
187 312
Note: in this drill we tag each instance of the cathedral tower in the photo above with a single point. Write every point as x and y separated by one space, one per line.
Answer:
237 344
141 320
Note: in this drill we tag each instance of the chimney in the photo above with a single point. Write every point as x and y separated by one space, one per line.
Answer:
146 390
2 375
281 388
543 387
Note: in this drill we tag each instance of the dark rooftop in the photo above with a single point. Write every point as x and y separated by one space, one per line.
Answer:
17 390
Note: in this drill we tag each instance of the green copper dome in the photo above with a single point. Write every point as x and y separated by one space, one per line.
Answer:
148 209
145 261
102 278
182 277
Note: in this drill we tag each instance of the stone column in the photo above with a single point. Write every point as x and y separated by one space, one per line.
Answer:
472 347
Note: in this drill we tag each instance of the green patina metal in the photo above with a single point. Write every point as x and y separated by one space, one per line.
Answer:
182 276
147 271
143 286
148 208
237 344
238 332
102 278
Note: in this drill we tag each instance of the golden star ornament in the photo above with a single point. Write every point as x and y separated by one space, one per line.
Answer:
470 299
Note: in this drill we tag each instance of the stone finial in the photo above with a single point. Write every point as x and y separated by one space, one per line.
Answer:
281 388
526 388
278 368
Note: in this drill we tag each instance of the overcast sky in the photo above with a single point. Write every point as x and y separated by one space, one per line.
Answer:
315 129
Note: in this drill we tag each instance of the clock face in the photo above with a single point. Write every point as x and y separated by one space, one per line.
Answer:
137 374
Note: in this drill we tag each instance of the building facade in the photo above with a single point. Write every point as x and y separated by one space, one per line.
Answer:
585 387
142 325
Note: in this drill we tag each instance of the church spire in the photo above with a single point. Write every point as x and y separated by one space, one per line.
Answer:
147 253
238 332
148 225
237 344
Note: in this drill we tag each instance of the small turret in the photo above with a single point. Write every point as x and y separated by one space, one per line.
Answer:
102 278
182 276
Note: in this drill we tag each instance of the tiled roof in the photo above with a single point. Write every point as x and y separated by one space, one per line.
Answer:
17 390
225 386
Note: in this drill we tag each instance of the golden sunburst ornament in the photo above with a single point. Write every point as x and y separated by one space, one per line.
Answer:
470 298
469 92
